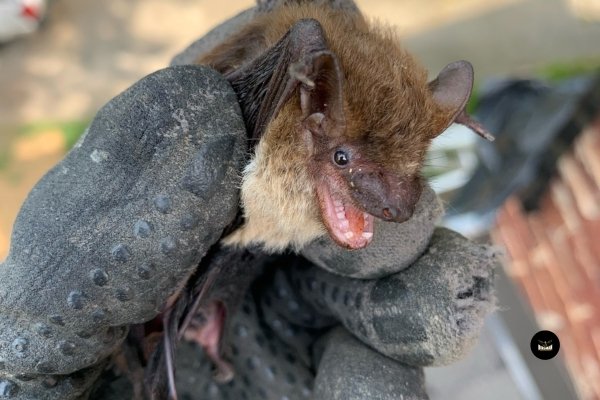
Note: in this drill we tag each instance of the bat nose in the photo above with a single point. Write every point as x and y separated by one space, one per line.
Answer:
396 213
387 200
390 213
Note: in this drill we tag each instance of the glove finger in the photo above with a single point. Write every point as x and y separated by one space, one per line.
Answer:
428 314
214 37
349 370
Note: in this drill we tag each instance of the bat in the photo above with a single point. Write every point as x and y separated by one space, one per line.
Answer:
334 107
339 118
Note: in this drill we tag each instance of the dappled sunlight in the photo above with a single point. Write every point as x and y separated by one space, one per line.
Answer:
15 183
87 52
414 16
29 148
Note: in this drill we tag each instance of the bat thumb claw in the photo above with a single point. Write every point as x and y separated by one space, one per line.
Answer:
298 72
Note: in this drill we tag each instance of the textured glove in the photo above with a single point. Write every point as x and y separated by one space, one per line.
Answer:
110 232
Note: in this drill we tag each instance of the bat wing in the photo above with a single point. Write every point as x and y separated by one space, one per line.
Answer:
302 59
223 275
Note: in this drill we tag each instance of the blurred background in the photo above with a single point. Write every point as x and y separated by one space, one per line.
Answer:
535 192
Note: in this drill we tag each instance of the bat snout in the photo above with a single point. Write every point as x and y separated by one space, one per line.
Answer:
387 198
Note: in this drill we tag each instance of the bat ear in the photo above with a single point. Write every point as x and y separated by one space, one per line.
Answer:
452 89
321 97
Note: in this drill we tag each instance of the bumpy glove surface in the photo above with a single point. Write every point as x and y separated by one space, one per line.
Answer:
109 233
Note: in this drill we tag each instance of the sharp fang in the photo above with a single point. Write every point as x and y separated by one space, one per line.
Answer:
349 235
341 215
367 235
344 224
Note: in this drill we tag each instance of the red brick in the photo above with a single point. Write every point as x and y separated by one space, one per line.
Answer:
587 149
581 186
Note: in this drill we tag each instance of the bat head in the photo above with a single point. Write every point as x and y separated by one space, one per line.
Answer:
345 122
367 137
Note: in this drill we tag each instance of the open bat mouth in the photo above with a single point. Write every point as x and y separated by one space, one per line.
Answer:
347 225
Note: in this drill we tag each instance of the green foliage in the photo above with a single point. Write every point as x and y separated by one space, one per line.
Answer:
560 71
4 159
71 130
473 101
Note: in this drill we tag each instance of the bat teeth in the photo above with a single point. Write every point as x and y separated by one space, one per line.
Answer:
367 235
349 235
344 224
341 215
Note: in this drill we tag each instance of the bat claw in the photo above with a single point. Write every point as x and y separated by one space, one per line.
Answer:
298 71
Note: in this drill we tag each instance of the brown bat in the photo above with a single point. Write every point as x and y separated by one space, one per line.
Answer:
339 118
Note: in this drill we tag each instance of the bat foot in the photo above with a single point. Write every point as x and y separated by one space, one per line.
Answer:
224 371
208 332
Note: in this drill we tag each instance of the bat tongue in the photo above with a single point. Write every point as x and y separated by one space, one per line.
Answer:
356 219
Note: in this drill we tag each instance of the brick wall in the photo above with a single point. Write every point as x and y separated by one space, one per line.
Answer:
553 255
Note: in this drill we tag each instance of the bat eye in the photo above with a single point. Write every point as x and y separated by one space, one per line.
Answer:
341 158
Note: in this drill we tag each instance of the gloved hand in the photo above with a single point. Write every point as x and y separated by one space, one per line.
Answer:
113 230
109 233
304 332
346 332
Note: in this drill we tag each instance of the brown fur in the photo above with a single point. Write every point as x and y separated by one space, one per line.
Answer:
389 112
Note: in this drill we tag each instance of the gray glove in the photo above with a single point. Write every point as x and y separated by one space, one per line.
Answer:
110 232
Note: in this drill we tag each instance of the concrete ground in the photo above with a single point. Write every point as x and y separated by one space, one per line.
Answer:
479 376
88 51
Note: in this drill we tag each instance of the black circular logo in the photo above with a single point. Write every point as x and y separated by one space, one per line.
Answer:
545 345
